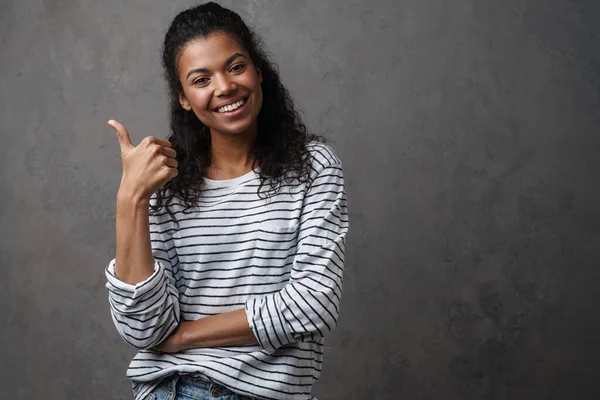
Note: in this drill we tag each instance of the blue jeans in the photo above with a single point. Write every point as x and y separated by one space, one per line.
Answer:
189 387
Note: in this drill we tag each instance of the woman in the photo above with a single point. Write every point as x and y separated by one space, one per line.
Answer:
230 234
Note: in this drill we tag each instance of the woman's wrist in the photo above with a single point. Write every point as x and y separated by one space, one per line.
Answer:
182 337
130 198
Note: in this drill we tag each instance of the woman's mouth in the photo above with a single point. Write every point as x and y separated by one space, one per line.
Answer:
234 108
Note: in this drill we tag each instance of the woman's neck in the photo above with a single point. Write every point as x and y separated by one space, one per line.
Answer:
232 156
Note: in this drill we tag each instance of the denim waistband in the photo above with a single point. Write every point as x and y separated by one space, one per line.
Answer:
192 385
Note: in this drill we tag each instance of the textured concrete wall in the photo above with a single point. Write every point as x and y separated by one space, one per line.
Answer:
470 135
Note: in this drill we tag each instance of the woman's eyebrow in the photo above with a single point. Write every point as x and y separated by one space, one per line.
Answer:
229 60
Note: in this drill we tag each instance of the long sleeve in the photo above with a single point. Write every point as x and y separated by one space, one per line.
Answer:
309 304
146 313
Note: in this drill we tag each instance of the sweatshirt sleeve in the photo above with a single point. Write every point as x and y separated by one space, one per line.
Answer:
309 304
146 313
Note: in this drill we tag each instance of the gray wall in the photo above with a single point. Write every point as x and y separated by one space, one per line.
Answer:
470 135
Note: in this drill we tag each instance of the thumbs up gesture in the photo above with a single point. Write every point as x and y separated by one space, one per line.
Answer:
147 166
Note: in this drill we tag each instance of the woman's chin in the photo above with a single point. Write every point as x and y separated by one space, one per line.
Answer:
247 129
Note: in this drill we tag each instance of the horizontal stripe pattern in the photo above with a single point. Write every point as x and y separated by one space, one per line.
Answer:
280 257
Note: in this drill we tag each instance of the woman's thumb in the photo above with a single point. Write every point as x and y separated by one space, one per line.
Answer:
123 136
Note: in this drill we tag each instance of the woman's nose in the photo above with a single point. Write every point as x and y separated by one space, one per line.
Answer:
225 87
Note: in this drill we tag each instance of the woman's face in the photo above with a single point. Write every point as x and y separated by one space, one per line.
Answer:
220 84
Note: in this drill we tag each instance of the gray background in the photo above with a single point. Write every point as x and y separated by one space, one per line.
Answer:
470 136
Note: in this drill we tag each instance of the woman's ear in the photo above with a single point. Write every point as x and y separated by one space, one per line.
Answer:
259 73
184 103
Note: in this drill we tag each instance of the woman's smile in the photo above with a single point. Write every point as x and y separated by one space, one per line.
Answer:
232 108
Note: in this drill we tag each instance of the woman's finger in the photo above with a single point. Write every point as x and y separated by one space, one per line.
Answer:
169 152
171 162
154 140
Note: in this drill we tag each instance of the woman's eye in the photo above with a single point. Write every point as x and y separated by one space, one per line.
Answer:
237 67
200 81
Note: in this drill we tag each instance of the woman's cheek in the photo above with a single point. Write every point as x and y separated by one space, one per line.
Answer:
199 98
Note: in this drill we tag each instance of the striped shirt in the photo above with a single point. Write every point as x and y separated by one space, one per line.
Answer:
279 257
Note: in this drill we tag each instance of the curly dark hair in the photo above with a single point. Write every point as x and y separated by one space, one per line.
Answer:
280 151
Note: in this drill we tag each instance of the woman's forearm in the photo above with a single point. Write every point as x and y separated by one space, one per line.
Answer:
134 262
227 329
146 168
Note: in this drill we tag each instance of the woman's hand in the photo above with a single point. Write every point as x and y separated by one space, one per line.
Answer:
146 167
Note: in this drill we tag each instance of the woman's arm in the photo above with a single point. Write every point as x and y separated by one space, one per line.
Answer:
227 329
143 300
134 261
309 305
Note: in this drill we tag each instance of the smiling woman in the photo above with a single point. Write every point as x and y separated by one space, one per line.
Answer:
225 92
225 288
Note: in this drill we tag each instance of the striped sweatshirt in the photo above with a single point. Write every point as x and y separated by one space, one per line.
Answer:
280 257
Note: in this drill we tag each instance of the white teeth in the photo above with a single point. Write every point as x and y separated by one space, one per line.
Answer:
232 107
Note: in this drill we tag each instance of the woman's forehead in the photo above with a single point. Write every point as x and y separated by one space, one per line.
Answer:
211 51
